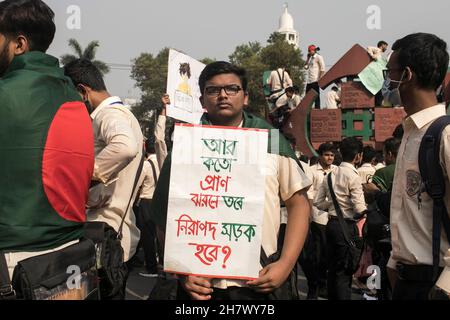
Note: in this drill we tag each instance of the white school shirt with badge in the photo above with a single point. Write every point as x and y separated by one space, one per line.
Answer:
411 206
284 179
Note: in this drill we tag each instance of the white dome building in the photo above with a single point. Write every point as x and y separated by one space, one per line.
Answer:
287 28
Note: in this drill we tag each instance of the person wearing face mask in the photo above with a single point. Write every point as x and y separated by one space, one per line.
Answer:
417 67
119 150
347 186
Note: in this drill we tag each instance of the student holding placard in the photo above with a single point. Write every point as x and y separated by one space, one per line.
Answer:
224 96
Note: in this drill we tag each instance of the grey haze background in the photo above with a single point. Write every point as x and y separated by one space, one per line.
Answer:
213 28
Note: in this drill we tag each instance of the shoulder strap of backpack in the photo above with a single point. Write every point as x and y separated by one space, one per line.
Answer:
433 179
281 78
136 179
155 176
339 213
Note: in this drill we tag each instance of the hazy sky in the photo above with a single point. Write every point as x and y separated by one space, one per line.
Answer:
213 28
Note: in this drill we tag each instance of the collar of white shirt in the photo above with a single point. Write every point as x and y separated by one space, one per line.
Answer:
422 118
349 165
107 102
321 169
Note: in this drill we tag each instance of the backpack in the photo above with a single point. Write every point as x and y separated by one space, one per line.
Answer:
434 182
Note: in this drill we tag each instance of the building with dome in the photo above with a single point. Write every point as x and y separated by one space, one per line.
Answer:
287 28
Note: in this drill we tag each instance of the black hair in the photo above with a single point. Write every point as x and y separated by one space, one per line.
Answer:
84 72
426 55
398 132
382 43
30 18
221 67
337 159
290 89
379 157
326 147
392 145
314 160
150 145
349 148
334 88
369 153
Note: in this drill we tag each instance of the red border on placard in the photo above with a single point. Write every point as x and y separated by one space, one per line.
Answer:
218 127
210 276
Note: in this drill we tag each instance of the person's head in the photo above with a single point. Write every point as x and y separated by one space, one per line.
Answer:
88 80
290 91
417 67
224 92
383 45
326 153
391 147
150 146
313 161
312 49
379 157
296 89
25 25
369 154
351 150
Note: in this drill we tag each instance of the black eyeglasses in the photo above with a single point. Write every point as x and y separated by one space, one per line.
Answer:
387 71
231 90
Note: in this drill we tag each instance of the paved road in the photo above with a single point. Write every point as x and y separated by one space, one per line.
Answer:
138 287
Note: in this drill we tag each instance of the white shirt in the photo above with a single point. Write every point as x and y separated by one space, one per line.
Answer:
318 175
118 152
147 180
411 225
315 65
375 52
284 178
332 99
160 140
348 189
275 82
366 172
293 102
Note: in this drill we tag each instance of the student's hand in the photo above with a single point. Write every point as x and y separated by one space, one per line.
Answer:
198 288
165 100
271 277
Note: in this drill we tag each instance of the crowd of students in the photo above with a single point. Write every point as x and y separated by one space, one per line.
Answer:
74 160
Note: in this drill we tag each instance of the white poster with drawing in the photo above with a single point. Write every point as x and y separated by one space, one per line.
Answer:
216 202
183 89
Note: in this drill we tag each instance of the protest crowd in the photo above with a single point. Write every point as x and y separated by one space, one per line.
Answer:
82 186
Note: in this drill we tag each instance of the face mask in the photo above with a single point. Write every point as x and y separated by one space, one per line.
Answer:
392 96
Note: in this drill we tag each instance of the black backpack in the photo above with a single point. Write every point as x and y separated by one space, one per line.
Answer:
434 182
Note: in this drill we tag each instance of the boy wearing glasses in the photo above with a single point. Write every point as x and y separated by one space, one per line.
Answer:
224 96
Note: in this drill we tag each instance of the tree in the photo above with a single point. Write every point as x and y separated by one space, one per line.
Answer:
280 54
88 53
257 59
248 57
150 74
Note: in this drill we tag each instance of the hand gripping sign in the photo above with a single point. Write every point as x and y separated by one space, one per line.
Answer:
216 202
